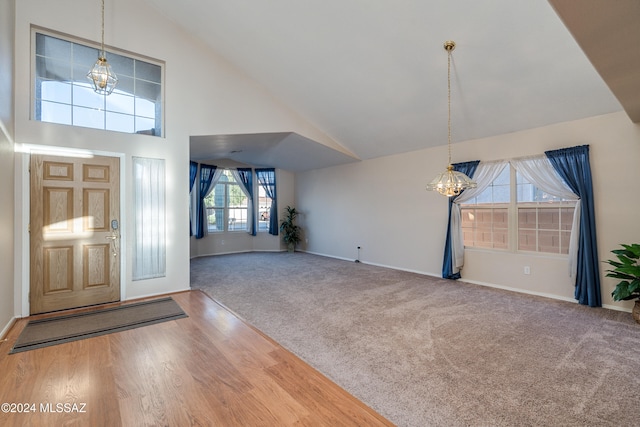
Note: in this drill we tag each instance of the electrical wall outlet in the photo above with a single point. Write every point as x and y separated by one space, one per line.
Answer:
527 269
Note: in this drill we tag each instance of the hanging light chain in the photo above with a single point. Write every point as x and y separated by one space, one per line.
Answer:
451 182
102 54
449 46
101 75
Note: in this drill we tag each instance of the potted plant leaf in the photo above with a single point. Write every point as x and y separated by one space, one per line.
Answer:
291 233
627 269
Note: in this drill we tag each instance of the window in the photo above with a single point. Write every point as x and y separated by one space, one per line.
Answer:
64 95
485 218
267 184
227 207
544 221
541 222
264 209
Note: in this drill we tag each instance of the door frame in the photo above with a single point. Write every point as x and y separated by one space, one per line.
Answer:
22 239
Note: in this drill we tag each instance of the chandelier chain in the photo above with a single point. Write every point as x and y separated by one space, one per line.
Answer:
103 54
450 183
448 101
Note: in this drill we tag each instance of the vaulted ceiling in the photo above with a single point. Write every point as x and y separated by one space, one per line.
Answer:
372 74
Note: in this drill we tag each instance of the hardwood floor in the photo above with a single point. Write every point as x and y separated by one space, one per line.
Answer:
210 369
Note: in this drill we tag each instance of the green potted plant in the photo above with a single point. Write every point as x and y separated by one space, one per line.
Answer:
291 233
627 268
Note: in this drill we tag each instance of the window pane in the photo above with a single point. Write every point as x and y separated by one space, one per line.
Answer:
121 65
527 218
145 108
53 47
264 209
85 96
88 117
121 103
53 112
54 91
527 240
125 86
565 237
84 56
119 122
549 218
149 72
486 228
237 219
146 126
566 218
498 192
124 65
548 241
53 69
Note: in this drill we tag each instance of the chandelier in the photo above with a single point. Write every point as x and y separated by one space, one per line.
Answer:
450 182
101 75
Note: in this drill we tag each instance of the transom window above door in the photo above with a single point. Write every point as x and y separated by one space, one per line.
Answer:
64 95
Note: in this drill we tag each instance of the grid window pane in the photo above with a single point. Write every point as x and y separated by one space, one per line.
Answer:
53 47
53 112
59 61
85 56
124 66
53 69
121 103
527 240
148 72
84 96
486 227
54 91
119 122
88 117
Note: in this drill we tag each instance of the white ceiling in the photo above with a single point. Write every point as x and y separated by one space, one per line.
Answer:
372 74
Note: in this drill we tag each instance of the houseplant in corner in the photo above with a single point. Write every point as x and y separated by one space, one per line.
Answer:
291 233
627 268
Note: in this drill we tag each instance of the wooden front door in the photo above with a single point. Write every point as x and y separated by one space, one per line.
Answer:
74 232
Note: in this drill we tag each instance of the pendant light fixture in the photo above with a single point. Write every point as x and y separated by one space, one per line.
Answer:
101 75
450 182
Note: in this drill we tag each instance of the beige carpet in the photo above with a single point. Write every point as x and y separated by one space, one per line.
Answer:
424 351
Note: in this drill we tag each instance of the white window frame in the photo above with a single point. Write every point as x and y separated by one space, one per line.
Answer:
513 227
263 225
114 111
227 218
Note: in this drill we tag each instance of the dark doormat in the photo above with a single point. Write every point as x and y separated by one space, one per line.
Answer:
57 330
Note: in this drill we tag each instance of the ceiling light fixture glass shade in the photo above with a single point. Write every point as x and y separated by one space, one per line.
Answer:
450 182
101 75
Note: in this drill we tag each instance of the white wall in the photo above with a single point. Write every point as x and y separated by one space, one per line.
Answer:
6 165
203 95
382 206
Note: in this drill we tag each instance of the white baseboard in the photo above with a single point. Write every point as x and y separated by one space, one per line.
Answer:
238 252
479 283
437 275
8 326
156 294
424 273
615 307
